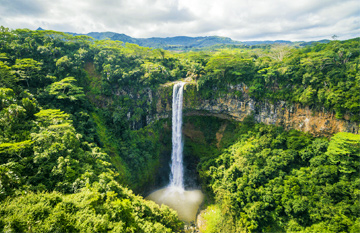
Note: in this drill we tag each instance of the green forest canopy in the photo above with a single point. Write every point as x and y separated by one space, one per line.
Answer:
67 140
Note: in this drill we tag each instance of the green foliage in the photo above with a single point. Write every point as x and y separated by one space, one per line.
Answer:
15 148
271 180
7 78
65 89
108 142
7 97
49 117
212 218
87 211
344 150
10 179
27 68
77 124
326 76
227 68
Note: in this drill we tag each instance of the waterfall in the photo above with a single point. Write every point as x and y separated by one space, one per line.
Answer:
176 176
186 203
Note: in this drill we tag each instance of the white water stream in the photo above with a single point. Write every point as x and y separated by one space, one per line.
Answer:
186 203
177 171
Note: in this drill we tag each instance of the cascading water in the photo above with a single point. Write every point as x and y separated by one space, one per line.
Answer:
186 203
177 172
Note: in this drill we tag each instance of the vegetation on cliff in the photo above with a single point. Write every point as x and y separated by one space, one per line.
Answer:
76 130
62 166
271 180
321 76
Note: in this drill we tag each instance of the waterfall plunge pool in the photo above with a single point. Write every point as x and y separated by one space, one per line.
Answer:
185 202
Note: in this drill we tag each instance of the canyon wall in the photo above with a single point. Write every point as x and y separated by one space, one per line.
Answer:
237 107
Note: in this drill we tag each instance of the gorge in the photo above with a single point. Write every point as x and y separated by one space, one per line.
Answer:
86 133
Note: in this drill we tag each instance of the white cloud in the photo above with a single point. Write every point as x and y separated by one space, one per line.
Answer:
240 20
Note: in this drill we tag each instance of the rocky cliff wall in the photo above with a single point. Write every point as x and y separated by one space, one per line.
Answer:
237 106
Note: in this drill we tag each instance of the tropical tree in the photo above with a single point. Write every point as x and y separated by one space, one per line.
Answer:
66 89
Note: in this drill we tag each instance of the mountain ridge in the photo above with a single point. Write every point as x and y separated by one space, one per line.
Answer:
186 42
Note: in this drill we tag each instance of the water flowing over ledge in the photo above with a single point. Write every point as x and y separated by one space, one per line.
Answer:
177 172
185 202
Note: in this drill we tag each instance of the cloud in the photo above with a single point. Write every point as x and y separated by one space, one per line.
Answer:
240 20
13 8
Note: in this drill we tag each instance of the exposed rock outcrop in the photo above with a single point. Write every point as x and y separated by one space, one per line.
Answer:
230 106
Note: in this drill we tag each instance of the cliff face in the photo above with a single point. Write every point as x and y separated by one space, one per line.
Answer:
289 116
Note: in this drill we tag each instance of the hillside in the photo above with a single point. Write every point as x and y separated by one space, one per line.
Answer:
185 43
169 43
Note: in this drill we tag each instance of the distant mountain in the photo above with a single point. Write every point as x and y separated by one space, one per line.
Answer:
101 35
124 38
312 42
171 43
185 42
267 42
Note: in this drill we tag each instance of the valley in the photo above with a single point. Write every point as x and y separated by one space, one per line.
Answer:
269 135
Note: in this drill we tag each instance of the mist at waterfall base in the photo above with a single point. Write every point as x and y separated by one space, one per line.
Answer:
185 202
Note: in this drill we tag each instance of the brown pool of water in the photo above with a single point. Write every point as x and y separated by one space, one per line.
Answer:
185 202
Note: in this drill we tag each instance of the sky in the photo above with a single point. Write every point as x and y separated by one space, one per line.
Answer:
242 20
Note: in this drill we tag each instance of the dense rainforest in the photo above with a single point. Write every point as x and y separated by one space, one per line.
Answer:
78 146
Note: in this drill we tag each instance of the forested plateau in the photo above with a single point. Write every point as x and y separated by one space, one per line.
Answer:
271 135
